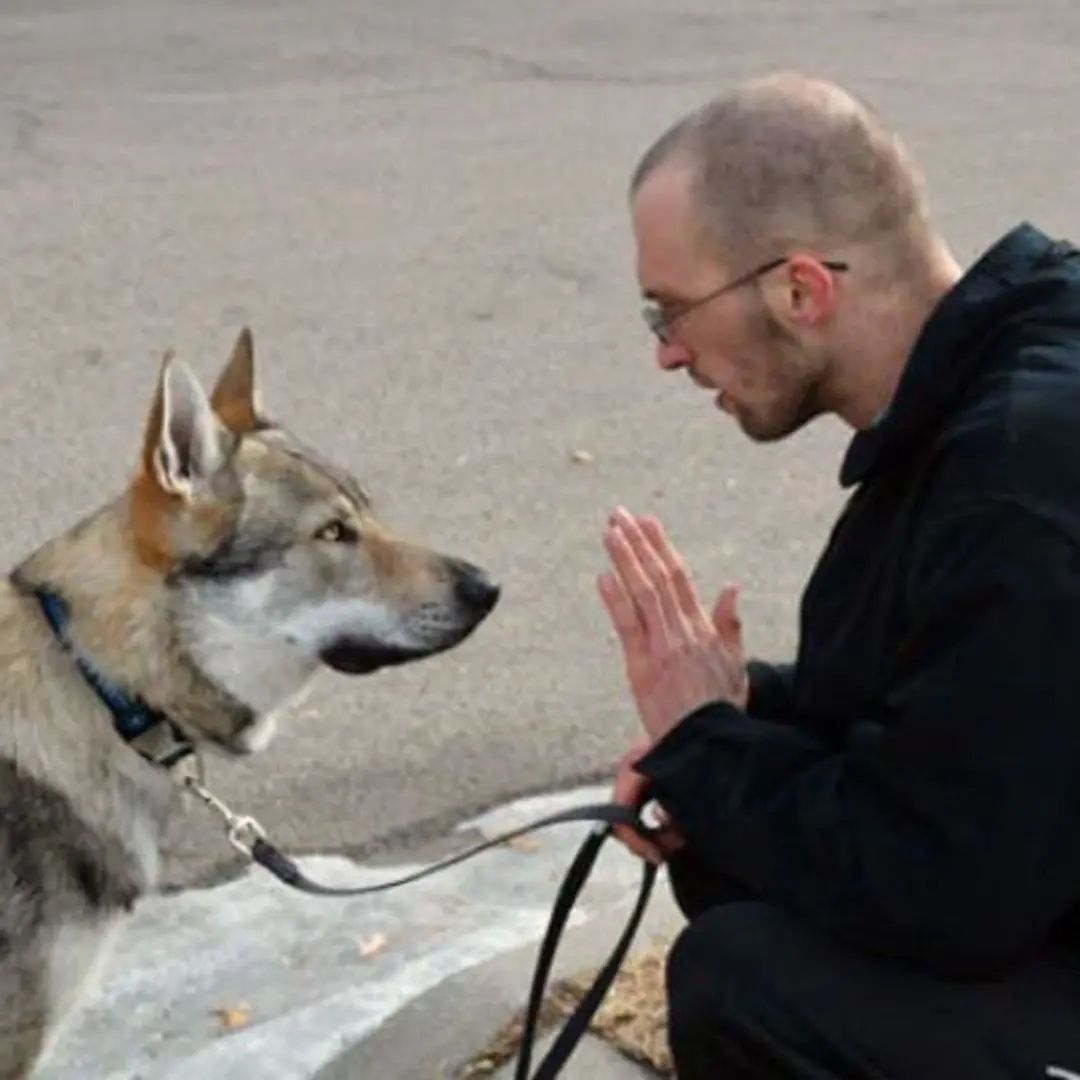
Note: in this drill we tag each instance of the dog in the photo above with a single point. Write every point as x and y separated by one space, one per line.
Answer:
178 618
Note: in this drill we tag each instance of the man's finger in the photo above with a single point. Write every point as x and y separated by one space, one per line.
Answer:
637 844
624 615
642 591
669 841
630 790
630 786
725 617
685 593
655 579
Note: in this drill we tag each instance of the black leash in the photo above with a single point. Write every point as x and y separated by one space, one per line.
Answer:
248 836
578 1022
134 720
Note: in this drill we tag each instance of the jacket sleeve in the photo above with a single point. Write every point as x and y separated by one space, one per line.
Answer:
772 690
949 834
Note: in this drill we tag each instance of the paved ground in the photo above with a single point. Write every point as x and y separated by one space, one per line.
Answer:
419 207
251 980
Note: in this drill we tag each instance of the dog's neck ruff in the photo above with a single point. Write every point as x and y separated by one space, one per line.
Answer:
147 730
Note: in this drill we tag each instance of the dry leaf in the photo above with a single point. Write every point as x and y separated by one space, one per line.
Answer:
233 1017
523 843
633 1018
369 946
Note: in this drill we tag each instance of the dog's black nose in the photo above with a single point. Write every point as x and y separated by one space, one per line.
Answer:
474 588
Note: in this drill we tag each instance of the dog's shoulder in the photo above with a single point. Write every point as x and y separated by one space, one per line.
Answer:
53 865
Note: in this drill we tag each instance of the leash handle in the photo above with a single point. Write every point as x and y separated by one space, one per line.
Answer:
578 1022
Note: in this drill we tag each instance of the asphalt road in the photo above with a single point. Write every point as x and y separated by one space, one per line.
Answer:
419 207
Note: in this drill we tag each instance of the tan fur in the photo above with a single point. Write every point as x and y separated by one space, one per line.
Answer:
236 563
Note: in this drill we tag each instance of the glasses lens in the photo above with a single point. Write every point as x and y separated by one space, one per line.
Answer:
656 322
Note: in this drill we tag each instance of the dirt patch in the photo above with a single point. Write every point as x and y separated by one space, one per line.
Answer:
632 1019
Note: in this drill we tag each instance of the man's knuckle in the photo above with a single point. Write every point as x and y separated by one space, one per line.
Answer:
649 593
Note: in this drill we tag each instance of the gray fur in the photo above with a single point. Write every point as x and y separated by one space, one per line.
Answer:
237 565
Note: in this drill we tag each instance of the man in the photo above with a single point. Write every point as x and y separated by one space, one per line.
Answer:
878 847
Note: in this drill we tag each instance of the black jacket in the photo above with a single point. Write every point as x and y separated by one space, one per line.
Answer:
912 783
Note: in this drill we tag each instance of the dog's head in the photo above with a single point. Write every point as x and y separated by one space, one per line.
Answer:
276 561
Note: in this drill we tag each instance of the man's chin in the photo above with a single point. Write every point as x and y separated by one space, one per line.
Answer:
769 427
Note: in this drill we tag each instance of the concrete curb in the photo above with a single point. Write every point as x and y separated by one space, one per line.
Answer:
436 1034
395 985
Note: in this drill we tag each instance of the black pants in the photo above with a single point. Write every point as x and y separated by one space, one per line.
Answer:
752 992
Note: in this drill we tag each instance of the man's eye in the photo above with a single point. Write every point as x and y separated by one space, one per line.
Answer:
662 314
338 532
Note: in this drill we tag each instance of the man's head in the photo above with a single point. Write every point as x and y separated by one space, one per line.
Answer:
764 222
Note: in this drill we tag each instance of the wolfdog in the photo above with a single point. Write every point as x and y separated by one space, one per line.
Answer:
178 618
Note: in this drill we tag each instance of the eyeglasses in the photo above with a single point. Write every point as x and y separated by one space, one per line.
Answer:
660 319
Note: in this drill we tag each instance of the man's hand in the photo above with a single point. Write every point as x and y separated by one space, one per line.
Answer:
677 658
631 789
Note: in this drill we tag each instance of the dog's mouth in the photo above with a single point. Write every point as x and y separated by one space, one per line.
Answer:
352 656
362 655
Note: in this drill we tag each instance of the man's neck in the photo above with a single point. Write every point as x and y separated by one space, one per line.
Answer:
874 345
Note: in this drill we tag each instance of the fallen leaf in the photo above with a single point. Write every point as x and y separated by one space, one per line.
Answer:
369 946
523 843
233 1017
632 1020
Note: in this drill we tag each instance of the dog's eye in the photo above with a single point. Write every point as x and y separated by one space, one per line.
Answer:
338 532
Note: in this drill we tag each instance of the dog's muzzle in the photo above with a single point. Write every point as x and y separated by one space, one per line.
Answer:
475 593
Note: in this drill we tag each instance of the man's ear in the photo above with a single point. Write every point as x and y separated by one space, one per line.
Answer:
801 294
185 442
235 399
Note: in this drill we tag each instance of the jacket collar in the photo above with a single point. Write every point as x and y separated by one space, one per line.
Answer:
1002 285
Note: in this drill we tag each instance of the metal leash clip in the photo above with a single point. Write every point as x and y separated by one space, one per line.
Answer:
242 831
248 837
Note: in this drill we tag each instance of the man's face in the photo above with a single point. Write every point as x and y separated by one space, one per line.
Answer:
732 344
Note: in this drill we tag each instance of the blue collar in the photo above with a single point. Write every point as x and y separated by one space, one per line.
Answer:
132 717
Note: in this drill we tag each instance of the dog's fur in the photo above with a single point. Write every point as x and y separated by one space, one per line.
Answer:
236 564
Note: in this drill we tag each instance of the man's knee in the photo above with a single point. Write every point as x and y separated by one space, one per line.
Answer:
723 965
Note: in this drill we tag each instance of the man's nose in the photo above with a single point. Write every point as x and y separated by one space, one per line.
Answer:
672 357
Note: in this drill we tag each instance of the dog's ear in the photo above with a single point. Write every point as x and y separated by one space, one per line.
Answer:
185 442
234 398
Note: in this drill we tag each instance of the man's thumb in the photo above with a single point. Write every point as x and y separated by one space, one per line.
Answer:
725 617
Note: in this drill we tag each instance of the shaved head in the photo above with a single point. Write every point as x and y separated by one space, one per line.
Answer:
789 161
